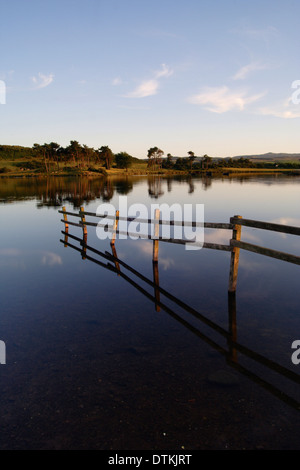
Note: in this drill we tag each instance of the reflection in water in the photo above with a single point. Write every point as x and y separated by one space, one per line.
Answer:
155 187
54 191
92 365
114 264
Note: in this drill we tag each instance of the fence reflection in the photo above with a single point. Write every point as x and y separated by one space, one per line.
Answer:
234 350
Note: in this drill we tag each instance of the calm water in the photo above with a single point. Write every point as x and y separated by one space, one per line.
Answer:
92 362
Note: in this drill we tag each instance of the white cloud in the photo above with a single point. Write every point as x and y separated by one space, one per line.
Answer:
41 81
117 81
50 259
221 99
284 110
150 87
243 72
164 72
146 88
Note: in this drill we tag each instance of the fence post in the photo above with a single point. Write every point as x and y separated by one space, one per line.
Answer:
235 254
156 284
156 235
83 222
65 218
113 238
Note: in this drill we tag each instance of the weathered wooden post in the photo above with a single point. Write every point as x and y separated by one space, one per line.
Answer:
66 239
235 254
66 226
156 235
65 218
83 221
113 238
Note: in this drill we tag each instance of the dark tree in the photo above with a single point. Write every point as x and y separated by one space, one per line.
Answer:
123 160
155 156
106 155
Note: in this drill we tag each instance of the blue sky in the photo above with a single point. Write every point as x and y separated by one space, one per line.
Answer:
214 77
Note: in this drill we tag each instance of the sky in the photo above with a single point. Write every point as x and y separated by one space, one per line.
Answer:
216 77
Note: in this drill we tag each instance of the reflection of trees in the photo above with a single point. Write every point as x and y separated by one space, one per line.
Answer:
191 185
123 186
53 192
107 190
155 187
206 182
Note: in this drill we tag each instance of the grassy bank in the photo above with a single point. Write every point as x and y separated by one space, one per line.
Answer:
27 169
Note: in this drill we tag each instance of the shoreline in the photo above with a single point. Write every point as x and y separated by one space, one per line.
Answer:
228 172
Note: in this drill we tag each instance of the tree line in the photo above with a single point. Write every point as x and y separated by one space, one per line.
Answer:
81 156
51 155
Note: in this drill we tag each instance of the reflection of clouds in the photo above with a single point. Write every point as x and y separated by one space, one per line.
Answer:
294 222
145 248
250 237
10 252
165 263
287 221
15 258
223 236
250 265
218 236
51 259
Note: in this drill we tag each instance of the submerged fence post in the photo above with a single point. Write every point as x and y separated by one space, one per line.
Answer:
156 288
235 254
156 235
83 222
114 252
113 238
232 326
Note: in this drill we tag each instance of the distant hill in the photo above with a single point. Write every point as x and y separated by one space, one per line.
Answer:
272 157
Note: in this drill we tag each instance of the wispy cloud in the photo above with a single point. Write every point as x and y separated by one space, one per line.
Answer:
165 71
50 259
255 33
150 87
117 81
244 71
222 99
284 110
146 88
42 81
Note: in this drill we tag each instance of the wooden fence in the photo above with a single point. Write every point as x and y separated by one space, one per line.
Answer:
234 350
234 246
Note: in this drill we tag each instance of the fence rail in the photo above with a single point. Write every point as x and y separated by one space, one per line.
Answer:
265 225
234 246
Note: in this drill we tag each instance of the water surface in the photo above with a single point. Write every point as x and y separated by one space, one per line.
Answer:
97 359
